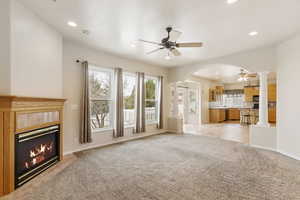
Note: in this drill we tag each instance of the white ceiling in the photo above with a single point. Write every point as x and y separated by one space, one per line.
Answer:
221 73
227 73
115 24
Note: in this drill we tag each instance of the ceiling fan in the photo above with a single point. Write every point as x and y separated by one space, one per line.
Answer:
243 75
170 43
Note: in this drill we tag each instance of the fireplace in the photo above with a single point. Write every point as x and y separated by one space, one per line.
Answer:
31 138
35 151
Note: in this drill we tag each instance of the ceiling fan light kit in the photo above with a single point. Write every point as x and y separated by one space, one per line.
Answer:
170 43
244 76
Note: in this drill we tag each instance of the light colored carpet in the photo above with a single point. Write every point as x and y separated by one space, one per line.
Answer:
174 167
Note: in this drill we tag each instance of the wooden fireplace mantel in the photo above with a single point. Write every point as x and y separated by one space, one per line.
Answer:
19 114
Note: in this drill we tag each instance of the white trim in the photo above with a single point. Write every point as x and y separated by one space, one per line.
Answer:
101 130
278 151
110 98
151 122
147 134
126 73
288 154
261 147
101 69
116 141
129 126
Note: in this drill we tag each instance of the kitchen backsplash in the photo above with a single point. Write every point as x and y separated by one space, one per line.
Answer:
231 101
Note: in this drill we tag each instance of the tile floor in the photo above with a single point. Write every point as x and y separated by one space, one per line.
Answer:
231 130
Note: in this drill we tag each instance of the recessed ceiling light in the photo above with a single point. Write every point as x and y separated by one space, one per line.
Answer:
231 1
253 33
72 24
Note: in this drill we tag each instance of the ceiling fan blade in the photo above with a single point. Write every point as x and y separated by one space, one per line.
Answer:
191 44
174 35
155 50
150 42
175 52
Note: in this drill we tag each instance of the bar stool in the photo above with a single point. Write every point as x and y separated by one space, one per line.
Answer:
253 116
245 117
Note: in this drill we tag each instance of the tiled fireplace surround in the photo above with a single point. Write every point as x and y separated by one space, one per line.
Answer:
23 118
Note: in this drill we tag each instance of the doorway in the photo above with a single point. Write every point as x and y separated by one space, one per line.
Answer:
188 104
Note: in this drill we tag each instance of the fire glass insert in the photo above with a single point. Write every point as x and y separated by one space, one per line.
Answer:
36 151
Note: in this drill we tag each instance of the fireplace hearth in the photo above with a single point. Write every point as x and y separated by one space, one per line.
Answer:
35 151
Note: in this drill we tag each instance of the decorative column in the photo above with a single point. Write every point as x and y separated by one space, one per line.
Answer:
263 100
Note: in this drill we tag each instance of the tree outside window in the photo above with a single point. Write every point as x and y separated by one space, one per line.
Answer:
151 100
129 84
100 98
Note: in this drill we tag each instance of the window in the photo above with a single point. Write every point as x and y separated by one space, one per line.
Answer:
129 84
101 92
151 99
233 100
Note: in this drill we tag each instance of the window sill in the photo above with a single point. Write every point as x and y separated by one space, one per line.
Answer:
151 123
102 130
129 126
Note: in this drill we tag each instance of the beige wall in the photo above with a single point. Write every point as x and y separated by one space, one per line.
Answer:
72 76
5 47
288 83
36 55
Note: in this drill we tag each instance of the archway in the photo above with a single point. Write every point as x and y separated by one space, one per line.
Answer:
207 78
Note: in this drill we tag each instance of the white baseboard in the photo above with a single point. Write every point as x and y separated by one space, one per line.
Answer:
265 148
165 131
278 151
118 141
288 154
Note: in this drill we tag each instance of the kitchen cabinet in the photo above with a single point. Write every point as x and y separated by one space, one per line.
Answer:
272 115
215 92
233 114
219 90
250 92
212 95
253 91
272 92
217 115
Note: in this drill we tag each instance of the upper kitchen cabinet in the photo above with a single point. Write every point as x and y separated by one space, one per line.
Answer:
272 92
254 91
219 90
214 92
212 95
250 92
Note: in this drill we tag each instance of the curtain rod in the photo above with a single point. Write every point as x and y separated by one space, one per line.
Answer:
80 61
